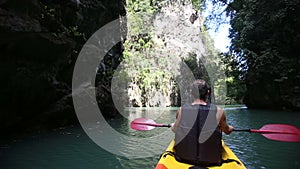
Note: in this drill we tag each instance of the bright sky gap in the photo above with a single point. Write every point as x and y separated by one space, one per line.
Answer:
218 32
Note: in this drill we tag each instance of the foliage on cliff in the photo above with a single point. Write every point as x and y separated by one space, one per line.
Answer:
160 36
265 40
265 35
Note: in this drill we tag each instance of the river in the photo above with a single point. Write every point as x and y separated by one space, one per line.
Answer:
71 148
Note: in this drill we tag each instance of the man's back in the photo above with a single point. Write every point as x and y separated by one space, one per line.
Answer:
198 137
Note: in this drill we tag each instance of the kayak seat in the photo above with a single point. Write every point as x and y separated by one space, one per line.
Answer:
198 165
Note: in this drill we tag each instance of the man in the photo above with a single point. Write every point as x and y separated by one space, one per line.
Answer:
198 129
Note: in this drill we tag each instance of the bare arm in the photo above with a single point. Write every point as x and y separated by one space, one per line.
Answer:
227 129
178 117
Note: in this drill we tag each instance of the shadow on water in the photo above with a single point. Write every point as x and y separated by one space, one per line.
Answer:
63 148
72 148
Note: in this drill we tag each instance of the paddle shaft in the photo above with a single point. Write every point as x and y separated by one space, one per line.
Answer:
278 132
264 131
154 125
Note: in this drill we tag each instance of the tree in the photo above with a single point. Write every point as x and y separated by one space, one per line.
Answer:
265 39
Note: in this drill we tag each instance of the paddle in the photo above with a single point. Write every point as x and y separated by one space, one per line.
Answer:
278 132
146 124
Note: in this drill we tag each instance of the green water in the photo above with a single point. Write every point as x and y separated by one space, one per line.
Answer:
71 148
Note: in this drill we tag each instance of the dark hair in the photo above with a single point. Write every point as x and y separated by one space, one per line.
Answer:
200 89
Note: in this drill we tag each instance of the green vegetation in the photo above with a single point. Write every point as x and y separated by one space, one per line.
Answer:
140 61
236 87
145 62
265 40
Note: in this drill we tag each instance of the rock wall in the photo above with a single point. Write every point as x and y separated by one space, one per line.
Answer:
39 44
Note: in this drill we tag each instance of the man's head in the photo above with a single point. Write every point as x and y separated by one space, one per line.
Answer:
200 89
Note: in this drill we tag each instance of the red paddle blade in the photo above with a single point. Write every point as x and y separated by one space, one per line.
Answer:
143 124
281 132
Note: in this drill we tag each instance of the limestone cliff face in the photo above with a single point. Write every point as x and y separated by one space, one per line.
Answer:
39 42
157 50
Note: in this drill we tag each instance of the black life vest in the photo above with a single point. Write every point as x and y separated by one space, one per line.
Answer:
198 136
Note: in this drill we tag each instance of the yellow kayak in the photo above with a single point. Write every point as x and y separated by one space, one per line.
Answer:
168 161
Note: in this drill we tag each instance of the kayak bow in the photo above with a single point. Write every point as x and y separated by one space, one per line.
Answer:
169 162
